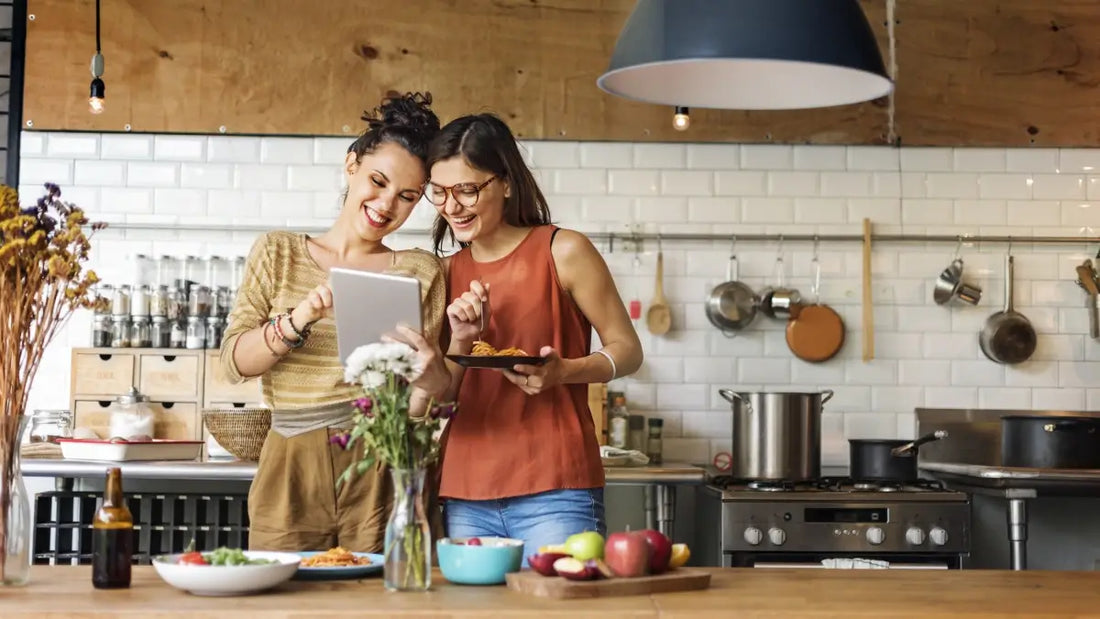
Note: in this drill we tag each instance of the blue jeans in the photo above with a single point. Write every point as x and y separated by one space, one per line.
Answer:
537 519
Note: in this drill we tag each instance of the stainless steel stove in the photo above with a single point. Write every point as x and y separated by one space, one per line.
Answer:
919 524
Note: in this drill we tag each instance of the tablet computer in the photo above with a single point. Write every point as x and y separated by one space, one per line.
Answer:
369 305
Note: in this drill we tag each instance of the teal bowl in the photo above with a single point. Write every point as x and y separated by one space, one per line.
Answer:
478 565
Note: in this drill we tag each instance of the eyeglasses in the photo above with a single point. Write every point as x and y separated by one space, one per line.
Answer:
465 194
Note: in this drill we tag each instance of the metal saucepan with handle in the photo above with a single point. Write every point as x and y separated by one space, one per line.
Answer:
732 304
887 459
1008 336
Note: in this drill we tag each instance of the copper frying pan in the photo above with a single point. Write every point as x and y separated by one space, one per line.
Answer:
815 332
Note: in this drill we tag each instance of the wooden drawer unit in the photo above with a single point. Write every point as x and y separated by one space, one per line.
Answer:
102 372
218 392
173 420
171 377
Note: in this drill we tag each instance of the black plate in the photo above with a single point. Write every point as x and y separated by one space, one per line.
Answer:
494 362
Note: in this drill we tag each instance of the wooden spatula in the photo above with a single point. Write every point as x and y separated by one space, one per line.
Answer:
659 317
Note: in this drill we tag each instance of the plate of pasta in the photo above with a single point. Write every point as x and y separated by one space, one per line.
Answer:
484 355
336 563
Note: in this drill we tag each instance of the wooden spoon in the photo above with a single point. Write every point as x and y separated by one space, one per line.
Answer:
659 317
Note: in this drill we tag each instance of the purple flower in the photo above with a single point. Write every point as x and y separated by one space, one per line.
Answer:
364 405
340 439
444 411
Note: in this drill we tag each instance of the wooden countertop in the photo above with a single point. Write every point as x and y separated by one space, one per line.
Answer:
66 592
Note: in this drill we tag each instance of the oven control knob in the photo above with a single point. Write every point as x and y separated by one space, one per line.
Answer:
914 536
753 536
938 535
875 535
777 536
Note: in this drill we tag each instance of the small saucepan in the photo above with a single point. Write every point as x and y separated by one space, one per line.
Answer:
886 459
732 304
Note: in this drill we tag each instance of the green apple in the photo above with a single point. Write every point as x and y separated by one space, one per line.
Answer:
585 546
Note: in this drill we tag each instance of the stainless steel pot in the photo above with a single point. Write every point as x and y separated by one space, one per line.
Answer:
776 435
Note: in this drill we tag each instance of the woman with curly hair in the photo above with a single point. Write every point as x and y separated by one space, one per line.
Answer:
282 331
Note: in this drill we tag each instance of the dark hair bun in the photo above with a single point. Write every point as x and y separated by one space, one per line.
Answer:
410 111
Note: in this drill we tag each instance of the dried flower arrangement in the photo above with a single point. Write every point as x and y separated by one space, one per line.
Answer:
42 282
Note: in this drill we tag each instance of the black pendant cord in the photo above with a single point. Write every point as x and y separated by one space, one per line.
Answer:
97 26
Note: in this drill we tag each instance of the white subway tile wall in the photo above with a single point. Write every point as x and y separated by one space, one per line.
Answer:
926 355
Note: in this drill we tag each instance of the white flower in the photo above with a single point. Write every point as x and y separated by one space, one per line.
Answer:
368 365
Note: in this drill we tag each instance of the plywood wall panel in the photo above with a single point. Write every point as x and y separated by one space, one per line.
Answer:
310 68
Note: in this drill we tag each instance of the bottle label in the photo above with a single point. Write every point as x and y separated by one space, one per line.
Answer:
618 433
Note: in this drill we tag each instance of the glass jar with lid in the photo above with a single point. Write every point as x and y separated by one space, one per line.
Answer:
132 416
49 425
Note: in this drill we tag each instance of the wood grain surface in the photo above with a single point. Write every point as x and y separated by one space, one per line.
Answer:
67 593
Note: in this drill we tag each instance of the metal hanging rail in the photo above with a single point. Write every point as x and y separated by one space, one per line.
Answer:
612 237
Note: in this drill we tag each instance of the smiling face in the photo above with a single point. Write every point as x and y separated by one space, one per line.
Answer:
455 176
383 188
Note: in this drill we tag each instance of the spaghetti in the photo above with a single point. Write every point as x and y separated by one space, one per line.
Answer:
485 349
335 557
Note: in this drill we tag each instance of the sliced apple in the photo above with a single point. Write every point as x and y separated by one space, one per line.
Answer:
575 569
680 555
543 562
601 567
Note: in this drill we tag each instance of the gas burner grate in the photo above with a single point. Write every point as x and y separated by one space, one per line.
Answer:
848 484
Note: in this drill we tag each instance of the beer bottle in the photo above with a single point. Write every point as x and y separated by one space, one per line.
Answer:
112 537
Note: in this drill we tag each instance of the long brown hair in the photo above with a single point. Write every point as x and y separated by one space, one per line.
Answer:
486 143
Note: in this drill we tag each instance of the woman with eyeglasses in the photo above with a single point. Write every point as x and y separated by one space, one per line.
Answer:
522 459
281 330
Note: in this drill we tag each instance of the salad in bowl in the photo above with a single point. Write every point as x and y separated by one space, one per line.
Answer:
226 571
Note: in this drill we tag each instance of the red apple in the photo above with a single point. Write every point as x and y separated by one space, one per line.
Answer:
660 550
627 554
543 562
601 567
575 569
473 541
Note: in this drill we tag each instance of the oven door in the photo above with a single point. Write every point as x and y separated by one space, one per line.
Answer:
895 561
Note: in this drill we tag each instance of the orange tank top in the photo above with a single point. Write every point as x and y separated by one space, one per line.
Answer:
505 443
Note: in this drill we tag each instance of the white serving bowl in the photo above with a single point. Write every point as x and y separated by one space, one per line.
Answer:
226 580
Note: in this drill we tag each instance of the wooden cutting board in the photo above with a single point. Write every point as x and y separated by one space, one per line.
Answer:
533 583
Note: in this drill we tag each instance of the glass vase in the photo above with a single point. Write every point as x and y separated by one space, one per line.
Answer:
15 505
408 549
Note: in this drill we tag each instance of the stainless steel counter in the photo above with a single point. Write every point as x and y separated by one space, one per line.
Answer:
659 481
1017 485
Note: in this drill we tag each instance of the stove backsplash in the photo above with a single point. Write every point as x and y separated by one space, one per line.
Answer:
926 355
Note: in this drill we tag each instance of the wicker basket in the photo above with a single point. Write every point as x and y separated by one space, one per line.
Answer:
241 431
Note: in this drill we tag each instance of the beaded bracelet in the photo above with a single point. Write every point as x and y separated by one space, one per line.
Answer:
282 336
274 353
304 332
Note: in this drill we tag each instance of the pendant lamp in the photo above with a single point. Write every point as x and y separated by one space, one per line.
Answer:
747 55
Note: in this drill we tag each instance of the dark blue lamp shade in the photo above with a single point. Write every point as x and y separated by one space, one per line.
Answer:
747 55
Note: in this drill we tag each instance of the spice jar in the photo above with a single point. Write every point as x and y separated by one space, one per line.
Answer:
196 333
159 333
132 416
120 331
177 305
199 301
653 446
223 302
215 326
177 334
120 301
140 332
49 425
101 331
158 301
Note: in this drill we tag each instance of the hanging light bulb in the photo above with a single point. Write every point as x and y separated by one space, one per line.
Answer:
680 120
98 90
